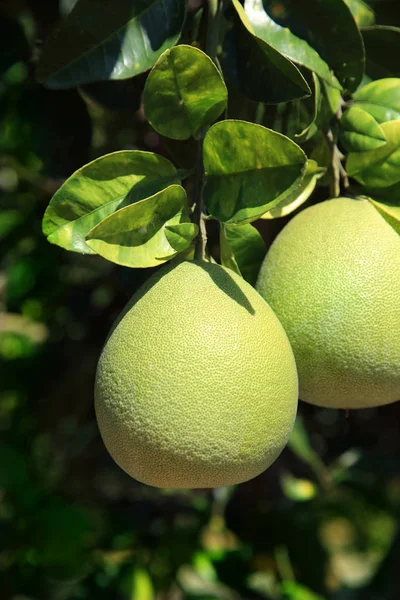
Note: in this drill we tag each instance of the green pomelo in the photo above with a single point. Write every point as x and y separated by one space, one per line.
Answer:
332 276
197 384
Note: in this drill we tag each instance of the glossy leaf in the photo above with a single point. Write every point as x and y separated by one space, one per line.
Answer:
292 201
248 167
135 236
381 99
242 250
332 97
314 104
303 32
363 14
382 48
184 93
390 212
181 236
380 167
276 78
110 40
100 188
360 132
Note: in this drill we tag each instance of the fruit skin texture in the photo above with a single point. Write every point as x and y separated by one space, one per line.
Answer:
333 278
196 385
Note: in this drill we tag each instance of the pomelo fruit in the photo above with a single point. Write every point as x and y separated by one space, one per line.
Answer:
332 276
196 385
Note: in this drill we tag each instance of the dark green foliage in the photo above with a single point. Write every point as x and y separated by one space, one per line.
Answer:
322 523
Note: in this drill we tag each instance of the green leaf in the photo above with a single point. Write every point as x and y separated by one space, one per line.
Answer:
332 96
291 202
313 104
242 250
389 211
142 586
135 236
299 443
184 93
360 132
248 167
303 32
98 189
382 48
181 236
363 14
299 490
381 99
292 590
276 78
380 167
110 40
227 257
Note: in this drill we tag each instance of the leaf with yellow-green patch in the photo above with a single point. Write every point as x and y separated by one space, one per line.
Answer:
181 236
100 188
290 202
360 132
363 14
248 167
381 99
135 236
380 167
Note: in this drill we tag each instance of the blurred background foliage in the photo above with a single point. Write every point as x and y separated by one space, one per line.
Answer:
321 523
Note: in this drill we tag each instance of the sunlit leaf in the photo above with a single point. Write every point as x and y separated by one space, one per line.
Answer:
381 167
390 212
248 167
135 236
100 188
381 99
181 236
290 202
142 586
276 78
184 93
303 32
110 40
360 132
363 14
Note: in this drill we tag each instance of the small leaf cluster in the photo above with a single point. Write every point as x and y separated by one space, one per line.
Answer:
267 95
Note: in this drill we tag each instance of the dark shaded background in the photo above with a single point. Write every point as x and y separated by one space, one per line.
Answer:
322 522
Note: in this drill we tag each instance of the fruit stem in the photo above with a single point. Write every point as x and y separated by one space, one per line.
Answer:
198 215
340 177
214 11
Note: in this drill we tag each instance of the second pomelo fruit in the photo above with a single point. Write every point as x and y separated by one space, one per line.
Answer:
197 384
333 278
